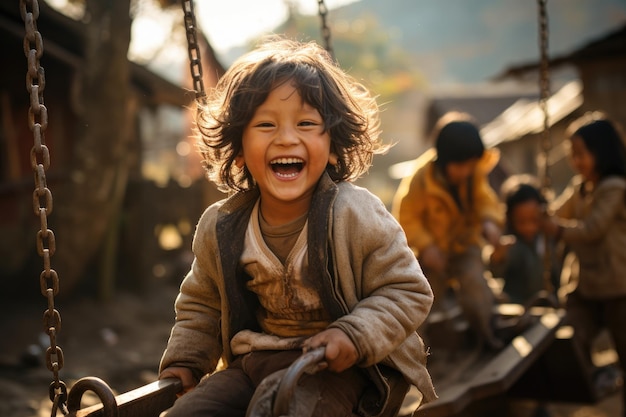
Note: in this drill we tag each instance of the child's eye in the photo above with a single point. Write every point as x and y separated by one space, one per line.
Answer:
308 123
263 124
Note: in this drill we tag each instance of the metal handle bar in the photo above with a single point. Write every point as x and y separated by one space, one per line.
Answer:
310 363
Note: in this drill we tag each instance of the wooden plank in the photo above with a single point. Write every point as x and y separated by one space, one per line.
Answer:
502 371
563 361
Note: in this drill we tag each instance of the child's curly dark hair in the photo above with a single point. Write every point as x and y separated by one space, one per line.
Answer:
519 189
350 113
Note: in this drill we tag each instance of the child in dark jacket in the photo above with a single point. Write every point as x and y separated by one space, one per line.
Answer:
519 257
297 257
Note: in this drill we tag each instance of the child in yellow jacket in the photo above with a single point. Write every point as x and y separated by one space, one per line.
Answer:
449 211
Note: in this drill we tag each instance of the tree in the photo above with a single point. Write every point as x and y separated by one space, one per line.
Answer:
107 148
364 49
101 158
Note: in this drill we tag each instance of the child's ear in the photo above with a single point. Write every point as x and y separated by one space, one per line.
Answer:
333 159
239 161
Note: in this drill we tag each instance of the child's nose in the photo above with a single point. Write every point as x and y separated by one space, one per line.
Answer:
286 136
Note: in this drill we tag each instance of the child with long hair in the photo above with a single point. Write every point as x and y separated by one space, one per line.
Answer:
297 257
590 218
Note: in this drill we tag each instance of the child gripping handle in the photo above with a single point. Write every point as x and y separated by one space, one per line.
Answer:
297 257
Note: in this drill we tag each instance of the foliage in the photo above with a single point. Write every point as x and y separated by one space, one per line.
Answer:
365 50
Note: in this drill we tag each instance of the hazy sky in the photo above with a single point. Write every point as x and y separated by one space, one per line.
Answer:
455 40
233 22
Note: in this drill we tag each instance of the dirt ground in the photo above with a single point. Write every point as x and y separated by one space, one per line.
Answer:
121 342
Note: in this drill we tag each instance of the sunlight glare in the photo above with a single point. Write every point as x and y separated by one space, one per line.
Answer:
147 37
233 23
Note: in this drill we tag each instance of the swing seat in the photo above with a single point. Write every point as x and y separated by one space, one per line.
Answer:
274 400
153 399
500 372
147 401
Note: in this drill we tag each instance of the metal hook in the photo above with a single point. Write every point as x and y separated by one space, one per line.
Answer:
100 388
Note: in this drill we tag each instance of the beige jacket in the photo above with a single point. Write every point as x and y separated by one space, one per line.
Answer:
370 282
594 227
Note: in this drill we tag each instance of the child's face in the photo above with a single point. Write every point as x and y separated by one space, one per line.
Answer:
286 150
526 219
582 160
458 172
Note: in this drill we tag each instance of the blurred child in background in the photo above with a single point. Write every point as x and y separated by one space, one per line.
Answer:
590 217
519 256
448 211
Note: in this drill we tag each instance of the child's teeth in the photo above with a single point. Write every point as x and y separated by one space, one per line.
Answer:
286 161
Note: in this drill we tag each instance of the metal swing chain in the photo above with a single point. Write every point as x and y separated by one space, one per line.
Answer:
193 49
323 12
546 140
42 197
544 88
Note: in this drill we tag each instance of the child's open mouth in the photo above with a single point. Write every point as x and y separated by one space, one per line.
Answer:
287 167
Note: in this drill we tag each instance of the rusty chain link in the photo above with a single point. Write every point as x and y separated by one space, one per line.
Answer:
323 12
42 197
193 49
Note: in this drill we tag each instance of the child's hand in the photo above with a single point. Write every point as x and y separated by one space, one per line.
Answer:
551 227
340 353
184 374
501 250
433 258
492 232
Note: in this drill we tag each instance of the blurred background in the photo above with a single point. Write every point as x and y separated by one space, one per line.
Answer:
127 183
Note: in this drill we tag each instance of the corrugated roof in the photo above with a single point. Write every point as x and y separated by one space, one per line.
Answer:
525 117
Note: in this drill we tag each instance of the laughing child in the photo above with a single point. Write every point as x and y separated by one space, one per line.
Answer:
297 257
